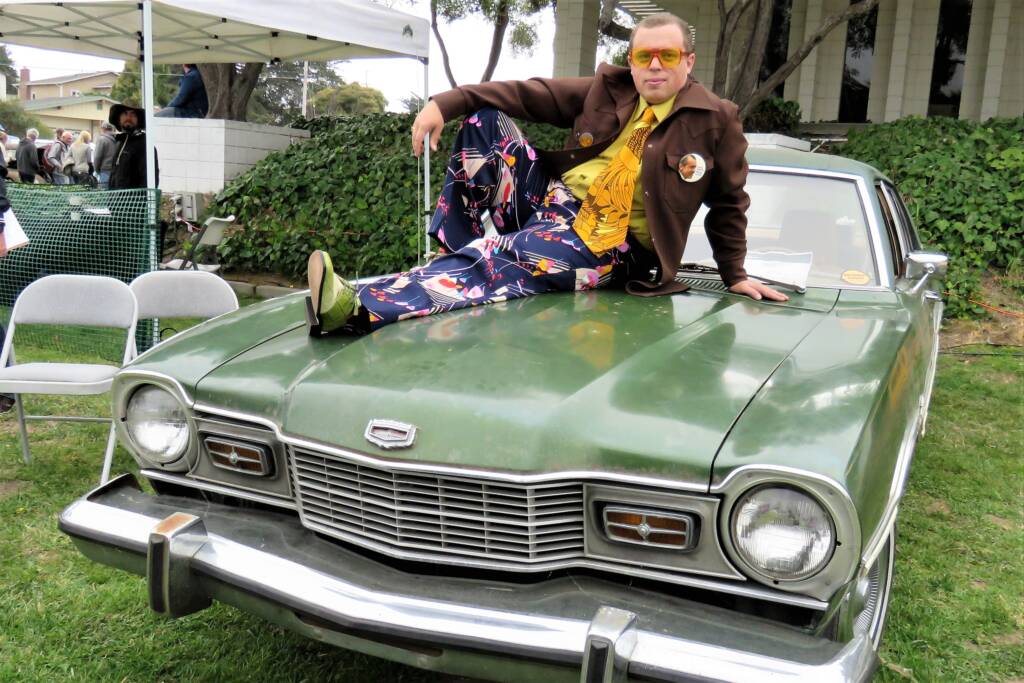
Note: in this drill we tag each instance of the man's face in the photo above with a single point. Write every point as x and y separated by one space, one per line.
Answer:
67 137
655 82
128 120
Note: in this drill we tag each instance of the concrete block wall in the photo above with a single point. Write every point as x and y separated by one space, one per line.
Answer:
202 155
920 58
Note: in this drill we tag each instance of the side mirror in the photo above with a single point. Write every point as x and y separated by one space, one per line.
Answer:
921 265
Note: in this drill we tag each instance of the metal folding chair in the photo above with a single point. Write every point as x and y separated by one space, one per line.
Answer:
81 300
182 294
209 235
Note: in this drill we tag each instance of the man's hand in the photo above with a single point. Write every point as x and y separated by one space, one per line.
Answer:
430 121
756 290
3 241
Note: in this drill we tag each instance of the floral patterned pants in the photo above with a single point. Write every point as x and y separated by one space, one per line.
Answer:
494 169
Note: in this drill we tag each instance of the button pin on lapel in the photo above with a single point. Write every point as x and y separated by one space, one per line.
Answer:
692 167
586 139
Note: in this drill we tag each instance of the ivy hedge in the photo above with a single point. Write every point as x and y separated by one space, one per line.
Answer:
353 190
963 182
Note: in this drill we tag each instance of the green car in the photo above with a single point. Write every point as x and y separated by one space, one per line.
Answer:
581 487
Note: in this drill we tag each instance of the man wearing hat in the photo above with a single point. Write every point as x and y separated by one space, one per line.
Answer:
129 170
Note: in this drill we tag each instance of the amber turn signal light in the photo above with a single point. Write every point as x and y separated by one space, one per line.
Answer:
669 530
238 456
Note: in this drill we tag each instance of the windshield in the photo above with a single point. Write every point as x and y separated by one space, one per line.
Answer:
813 220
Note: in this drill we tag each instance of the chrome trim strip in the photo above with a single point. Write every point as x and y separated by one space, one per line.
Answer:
217 488
874 230
841 566
278 581
453 470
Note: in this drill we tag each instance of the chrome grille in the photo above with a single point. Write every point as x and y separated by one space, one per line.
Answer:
439 516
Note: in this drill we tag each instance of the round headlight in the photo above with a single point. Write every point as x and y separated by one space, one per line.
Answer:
782 533
156 424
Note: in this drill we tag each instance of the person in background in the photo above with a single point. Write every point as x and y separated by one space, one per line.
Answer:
6 401
57 156
28 158
103 155
191 101
81 164
129 170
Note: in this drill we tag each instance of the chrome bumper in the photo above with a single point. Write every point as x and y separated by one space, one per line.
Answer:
571 628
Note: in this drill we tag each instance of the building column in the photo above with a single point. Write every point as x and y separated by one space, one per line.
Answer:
997 48
883 58
1011 95
898 63
977 59
809 67
576 37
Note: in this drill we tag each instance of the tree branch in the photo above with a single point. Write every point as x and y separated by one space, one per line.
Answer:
440 43
497 38
606 24
783 72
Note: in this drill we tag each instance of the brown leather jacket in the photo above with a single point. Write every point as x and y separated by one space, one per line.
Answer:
600 105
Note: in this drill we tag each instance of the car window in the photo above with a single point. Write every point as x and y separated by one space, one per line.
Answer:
897 252
822 219
906 226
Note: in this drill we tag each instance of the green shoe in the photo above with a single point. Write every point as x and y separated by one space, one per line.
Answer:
334 299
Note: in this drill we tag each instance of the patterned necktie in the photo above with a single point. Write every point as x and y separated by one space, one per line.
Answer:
603 219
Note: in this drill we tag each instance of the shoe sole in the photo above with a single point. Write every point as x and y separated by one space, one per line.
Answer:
315 274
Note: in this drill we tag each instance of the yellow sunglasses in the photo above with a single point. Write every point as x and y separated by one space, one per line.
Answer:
667 56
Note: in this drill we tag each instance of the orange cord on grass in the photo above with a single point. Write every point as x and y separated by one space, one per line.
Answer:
996 309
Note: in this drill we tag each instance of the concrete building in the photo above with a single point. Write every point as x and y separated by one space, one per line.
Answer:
960 58
74 85
72 113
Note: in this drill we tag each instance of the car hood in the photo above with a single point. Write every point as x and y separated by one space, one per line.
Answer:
596 381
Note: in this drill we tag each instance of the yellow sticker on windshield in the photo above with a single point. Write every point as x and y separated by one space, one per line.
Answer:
855 277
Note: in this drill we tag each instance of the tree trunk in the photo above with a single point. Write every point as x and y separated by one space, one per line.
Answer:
229 89
728 20
745 79
497 38
440 43
783 72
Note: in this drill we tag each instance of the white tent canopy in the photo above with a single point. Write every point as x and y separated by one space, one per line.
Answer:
186 31
225 31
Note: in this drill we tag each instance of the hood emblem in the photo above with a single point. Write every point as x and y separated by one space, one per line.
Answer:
390 434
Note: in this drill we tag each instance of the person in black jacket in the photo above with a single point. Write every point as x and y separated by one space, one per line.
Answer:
129 170
28 157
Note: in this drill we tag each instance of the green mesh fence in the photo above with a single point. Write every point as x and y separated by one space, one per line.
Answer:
84 232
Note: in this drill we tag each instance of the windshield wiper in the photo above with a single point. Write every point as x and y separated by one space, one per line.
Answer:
701 268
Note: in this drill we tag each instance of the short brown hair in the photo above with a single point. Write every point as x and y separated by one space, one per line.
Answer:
664 19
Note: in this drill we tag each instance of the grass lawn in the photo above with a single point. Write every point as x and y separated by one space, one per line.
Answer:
956 613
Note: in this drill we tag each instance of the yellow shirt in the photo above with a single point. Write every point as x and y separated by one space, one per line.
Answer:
579 178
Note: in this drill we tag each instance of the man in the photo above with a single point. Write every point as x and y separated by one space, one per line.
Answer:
615 203
129 169
191 101
27 158
57 157
103 155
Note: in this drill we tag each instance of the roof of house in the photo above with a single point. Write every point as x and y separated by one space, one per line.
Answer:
70 78
55 102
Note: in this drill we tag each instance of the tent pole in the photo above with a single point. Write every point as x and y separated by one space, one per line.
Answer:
147 89
426 166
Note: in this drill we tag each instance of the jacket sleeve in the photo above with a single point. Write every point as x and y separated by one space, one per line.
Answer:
542 100
54 155
727 200
4 202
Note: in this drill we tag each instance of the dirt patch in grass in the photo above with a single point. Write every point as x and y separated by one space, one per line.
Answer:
1001 522
9 488
938 507
996 328
1009 639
